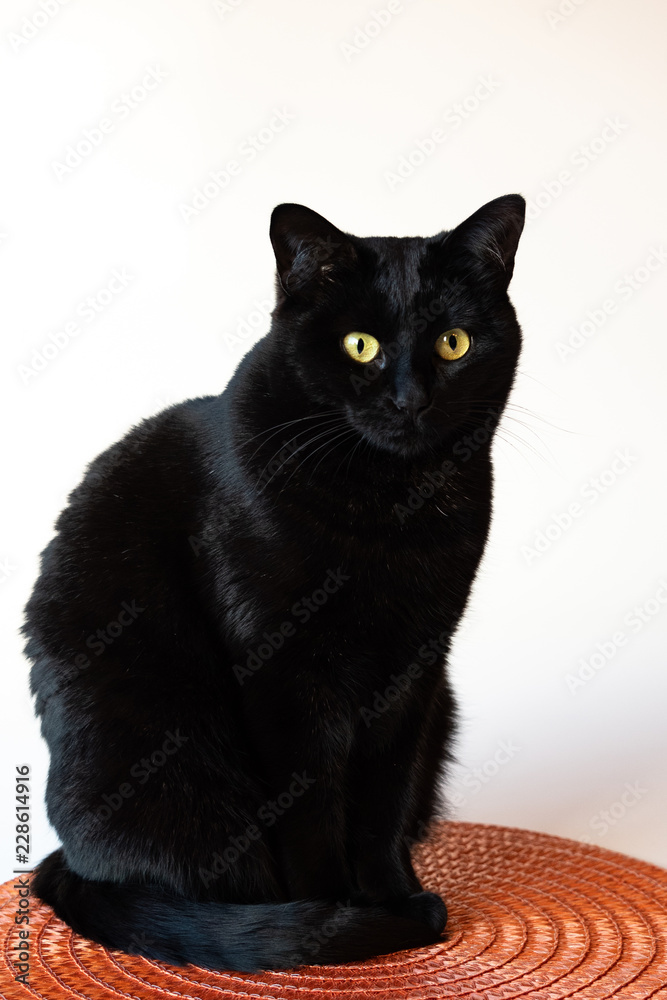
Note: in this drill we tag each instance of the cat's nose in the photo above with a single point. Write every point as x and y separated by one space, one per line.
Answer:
412 399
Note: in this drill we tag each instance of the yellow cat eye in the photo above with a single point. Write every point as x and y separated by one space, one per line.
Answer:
453 344
361 347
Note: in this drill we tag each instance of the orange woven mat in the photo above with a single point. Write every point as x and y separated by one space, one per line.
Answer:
530 915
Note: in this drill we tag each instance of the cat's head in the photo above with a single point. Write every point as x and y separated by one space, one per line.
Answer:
412 339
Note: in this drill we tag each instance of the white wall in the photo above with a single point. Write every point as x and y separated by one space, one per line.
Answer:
519 96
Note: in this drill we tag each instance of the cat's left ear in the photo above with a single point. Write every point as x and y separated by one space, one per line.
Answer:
310 251
488 239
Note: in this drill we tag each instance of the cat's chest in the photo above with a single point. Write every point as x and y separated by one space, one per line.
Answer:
362 578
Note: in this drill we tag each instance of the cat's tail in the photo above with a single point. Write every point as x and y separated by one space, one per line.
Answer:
149 921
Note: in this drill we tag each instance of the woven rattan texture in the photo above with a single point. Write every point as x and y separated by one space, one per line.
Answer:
530 916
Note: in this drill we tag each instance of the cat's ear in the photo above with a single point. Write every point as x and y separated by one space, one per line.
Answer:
488 239
310 251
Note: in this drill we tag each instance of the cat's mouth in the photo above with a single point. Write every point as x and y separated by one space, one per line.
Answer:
405 435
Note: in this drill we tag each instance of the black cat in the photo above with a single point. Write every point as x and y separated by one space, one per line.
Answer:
240 629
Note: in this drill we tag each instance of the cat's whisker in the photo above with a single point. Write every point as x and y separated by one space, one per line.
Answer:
349 455
505 433
287 445
516 443
505 441
526 411
296 420
296 451
507 417
317 437
522 423
474 410
531 413
323 445
511 419
521 373
277 428
482 407
542 442
352 431
288 423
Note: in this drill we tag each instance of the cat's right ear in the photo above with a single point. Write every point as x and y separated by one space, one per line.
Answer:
310 251
488 239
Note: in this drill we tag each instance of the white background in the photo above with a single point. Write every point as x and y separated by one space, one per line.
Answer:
519 95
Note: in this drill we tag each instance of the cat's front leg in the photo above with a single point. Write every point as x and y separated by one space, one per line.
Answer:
303 740
380 845
396 766
381 865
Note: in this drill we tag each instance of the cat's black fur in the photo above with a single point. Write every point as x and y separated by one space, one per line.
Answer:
240 629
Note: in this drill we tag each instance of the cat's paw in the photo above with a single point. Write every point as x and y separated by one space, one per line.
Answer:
426 907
